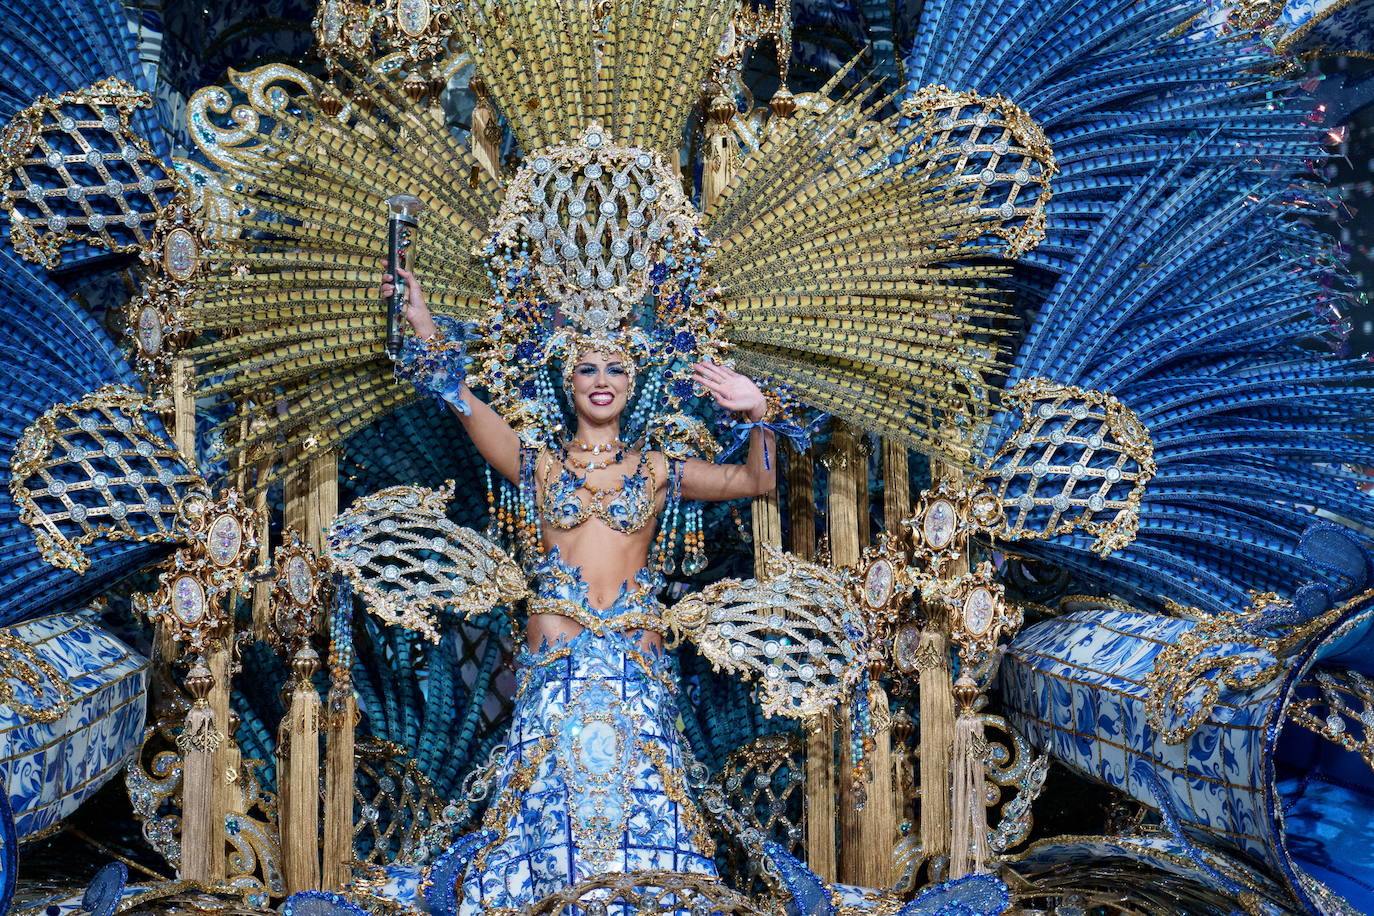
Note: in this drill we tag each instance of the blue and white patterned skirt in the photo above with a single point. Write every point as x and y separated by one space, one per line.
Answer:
592 781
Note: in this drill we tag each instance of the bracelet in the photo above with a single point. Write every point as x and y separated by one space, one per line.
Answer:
437 365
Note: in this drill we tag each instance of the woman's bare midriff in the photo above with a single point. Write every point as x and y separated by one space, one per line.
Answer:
548 629
608 560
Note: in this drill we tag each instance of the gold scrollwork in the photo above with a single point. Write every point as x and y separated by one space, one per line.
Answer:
174 254
22 663
1232 651
242 146
419 33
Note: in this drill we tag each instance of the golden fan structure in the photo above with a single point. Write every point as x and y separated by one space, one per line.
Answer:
843 259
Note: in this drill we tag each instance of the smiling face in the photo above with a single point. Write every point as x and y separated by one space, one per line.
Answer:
600 386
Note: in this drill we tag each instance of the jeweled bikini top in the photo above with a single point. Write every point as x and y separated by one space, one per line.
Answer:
625 509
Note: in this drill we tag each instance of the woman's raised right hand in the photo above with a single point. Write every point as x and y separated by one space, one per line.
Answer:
413 305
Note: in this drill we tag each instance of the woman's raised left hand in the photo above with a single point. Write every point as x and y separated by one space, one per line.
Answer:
731 390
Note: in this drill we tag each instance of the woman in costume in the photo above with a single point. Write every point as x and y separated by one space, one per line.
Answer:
592 781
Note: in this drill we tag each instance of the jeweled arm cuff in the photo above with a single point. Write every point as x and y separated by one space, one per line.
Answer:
739 435
437 365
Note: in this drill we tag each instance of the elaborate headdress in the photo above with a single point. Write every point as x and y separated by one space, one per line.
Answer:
586 232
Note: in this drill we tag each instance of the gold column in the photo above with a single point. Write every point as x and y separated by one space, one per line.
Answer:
184 409
867 834
227 757
820 767
937 705
486 130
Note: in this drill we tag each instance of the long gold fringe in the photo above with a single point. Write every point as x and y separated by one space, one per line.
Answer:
338 786
968 843
300 779
202 838
936 741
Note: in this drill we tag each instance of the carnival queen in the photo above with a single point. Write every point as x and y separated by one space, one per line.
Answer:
592 781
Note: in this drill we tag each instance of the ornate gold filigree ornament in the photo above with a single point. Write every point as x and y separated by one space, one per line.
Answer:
934 536
153 780
794 630
41 693
73 169
191 593
94 468
993 147
945 516
1236 651
409 561
978 612
1079 460
174 258
300 592
417 36
642 892
750 26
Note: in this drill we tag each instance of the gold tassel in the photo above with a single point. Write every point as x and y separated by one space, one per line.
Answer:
937 737
202 840
300 793
338 786
969 834
721 158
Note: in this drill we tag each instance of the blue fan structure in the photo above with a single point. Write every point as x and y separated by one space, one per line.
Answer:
1181 274
51 352
51 48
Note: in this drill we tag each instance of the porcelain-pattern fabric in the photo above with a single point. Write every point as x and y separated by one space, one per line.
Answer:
1076 686
50 768
592 781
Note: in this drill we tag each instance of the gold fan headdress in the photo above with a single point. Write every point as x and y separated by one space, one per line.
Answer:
836 263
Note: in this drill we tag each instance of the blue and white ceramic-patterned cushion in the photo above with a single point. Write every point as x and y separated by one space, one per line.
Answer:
50 768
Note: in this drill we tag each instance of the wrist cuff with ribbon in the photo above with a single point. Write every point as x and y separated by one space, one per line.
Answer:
738 434
437 365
